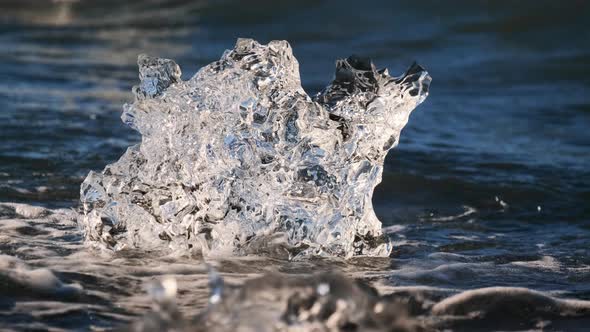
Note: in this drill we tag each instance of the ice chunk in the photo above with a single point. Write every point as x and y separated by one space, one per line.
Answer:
239 158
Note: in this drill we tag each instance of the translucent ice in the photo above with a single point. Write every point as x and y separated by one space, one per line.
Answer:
239 158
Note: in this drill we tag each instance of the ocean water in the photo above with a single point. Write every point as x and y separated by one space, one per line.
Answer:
489 186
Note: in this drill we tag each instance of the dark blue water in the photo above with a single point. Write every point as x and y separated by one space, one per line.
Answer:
489 186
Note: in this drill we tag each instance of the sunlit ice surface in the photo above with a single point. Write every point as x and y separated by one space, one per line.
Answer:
240 159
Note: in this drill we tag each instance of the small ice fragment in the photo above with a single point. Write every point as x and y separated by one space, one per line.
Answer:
503 204
163 290
323 289
216 285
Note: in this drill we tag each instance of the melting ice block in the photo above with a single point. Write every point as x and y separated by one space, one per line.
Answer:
239 158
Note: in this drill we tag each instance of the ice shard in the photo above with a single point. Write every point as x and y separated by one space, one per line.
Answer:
239 158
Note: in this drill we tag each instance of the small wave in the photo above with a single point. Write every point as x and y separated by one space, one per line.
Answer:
518 301
468 211
16 273
18 223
